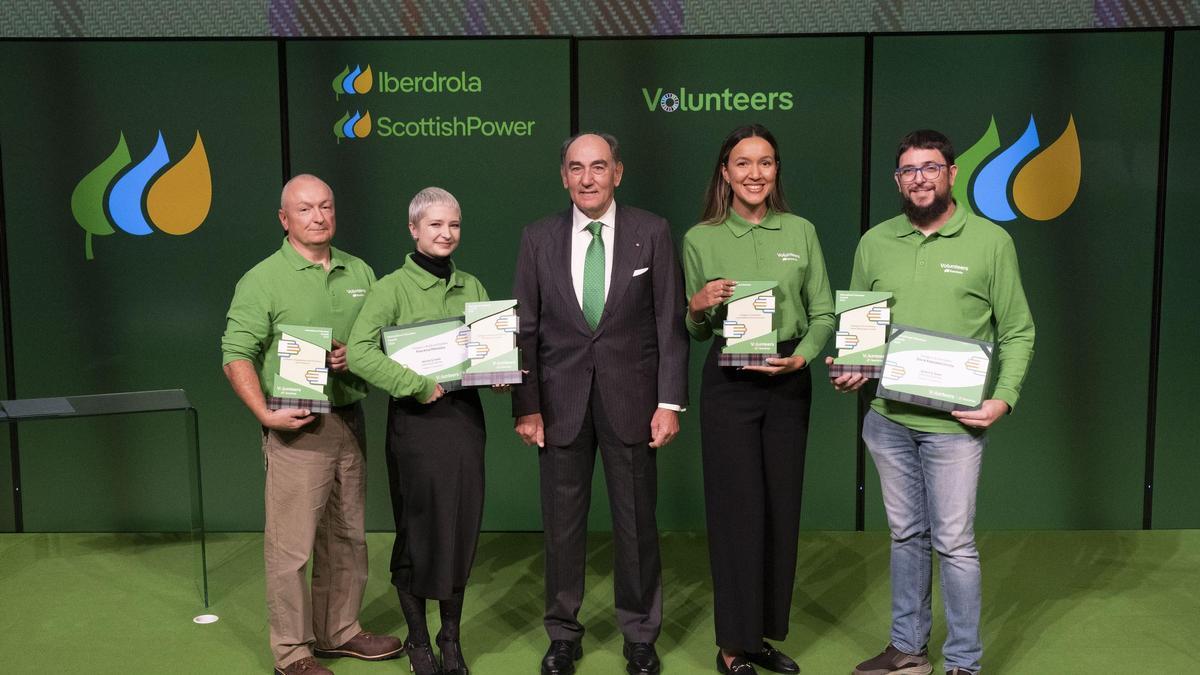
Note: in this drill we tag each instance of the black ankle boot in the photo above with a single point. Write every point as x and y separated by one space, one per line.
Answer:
421 660
453 662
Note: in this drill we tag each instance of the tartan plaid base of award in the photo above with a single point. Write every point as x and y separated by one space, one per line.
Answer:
927 402
739 360
276 403
485 379
872 372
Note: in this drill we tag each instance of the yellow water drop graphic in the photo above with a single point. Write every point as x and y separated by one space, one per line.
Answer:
1047 185
364 82
179 200
363 126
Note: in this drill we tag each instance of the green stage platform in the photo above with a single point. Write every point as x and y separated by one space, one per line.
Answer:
1054 602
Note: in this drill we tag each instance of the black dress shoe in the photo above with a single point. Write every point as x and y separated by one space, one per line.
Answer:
773 660
738 666
421 660
561 657
642 658
453 662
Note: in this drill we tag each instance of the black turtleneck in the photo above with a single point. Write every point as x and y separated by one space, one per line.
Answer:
438 267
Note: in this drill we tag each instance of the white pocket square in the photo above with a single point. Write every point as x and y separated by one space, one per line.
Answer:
640 271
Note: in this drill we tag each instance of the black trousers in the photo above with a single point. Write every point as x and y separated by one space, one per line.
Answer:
631 475
753 433
435 471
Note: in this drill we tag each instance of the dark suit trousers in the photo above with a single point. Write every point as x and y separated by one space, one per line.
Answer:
566 483
753 434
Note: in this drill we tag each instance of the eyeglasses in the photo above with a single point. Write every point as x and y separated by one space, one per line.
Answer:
929 170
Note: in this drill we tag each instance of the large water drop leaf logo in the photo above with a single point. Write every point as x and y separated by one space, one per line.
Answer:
970 160
179 200
125 200
991 187
337 82
87 201
1046 186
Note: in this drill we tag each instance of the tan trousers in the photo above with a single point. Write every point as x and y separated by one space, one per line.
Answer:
315 504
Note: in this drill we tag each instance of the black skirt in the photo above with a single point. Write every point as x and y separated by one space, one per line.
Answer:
435 471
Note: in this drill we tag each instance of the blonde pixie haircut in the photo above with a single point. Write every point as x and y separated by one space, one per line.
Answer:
428 197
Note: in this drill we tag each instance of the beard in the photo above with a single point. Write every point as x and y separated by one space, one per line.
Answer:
924 215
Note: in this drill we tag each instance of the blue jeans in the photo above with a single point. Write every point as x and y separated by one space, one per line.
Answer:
929 482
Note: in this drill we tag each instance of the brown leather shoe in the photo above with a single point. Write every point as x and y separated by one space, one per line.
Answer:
305 666
366 646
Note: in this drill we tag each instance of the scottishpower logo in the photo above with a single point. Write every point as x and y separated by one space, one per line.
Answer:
715 101
1043 183
361 124
132 197
357 125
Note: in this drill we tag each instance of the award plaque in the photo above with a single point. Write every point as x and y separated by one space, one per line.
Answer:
492 348
303 369
861 338
935 370
748 328
436 349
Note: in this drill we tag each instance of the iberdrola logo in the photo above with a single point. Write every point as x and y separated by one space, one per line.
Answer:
357 125
357 81
175 201
1044 187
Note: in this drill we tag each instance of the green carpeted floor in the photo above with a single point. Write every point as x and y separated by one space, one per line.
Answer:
1054 602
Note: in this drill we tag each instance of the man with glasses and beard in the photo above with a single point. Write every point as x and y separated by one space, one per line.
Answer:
952 271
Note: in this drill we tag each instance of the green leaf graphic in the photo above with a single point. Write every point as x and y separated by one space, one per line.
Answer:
87 200
337 83
337 127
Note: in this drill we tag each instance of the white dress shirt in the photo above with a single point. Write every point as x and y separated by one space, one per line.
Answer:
581 238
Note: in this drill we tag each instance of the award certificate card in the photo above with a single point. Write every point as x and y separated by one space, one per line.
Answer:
861 337
749 326
492 348
303 373
935 370
437 349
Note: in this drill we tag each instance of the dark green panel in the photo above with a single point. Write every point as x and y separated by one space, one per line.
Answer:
668 159
501 181
1071 455
7 513
1177 450
148 311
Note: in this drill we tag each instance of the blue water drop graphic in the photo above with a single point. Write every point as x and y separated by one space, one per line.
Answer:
348 82
125 200
348 127
991 186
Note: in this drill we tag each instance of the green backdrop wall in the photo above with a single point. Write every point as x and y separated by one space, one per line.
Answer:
147 311
1177 451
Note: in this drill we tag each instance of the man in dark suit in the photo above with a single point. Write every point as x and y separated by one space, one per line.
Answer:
601 307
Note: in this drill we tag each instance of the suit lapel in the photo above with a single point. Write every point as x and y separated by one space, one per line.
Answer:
626 250
560 265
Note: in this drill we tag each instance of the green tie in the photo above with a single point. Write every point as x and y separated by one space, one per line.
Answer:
593 277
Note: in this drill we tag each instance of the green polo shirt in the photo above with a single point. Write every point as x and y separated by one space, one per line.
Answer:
783 248
287 289
962 279
408 295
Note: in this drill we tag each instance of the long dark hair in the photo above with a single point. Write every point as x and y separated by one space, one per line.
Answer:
718 198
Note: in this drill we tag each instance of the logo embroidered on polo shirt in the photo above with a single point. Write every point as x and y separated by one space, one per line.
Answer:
949 268
356 293
789 257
